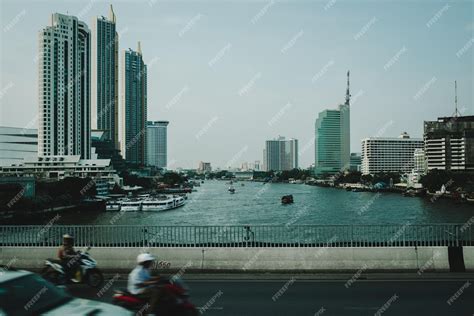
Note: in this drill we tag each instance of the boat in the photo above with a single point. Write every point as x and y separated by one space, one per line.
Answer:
287 199
231 189
242 184
113 205
162 203
131 205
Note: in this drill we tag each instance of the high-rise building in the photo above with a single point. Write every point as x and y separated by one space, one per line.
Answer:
104 88
384 154
64 88
204 167
134 107
332 138
449 143
281 154
157 143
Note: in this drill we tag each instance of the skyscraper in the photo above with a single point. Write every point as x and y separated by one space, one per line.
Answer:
104 87
64 88
281 154
157 148
332 138
134 107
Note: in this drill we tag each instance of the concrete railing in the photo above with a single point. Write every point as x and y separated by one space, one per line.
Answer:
419 259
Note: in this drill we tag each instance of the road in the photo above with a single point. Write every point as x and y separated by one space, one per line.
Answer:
286 295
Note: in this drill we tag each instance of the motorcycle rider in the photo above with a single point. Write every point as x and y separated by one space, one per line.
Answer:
141 283
68 257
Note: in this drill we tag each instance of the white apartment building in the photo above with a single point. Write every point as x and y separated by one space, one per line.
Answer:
64 88
383 154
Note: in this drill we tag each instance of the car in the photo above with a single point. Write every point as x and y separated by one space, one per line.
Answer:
26 293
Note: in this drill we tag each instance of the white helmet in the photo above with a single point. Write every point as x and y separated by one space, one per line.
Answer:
143 257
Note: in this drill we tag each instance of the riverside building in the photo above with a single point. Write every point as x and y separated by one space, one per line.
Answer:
332 139
157 143
449 143
384 154
105 62
281 154
134 107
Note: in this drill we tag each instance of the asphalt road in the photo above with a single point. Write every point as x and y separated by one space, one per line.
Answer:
285 295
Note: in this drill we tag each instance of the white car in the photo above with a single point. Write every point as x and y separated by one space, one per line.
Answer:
26 293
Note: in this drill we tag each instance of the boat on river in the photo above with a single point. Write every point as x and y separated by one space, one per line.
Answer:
162 203
149 203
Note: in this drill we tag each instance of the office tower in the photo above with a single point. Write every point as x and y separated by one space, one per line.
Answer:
332 138
64 88
384 154
449 143
134 107
281 154
157 143
104 98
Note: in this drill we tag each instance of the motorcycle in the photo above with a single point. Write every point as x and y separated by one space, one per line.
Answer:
174 300
87 271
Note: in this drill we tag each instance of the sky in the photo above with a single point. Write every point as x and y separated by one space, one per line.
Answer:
229 75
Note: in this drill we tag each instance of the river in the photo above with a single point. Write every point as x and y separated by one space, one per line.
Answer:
259 204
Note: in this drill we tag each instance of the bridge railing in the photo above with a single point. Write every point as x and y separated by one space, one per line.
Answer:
240 235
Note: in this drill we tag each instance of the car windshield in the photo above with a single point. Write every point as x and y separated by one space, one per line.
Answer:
30 295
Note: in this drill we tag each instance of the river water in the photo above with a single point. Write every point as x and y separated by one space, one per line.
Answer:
259 204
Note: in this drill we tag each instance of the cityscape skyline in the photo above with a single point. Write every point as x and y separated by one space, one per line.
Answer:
276 116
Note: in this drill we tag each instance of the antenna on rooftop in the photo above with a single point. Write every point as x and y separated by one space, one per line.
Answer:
456 112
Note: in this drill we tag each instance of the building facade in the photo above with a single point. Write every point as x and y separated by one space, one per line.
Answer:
281 154
16 144
383 154
204 167
449 143
105 76
157 143
134 107
64 88
355 162
60 167
332 139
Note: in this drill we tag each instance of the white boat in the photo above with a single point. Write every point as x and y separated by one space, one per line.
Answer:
113 205
130 205
162 203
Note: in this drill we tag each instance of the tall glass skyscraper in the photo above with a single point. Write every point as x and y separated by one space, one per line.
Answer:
157 147
105 109
64 88
332 139
134 107
281 154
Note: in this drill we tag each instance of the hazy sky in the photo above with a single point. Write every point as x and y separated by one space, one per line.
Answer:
229 75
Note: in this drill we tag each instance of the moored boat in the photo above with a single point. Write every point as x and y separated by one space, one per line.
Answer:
113 205
162 203
130 205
